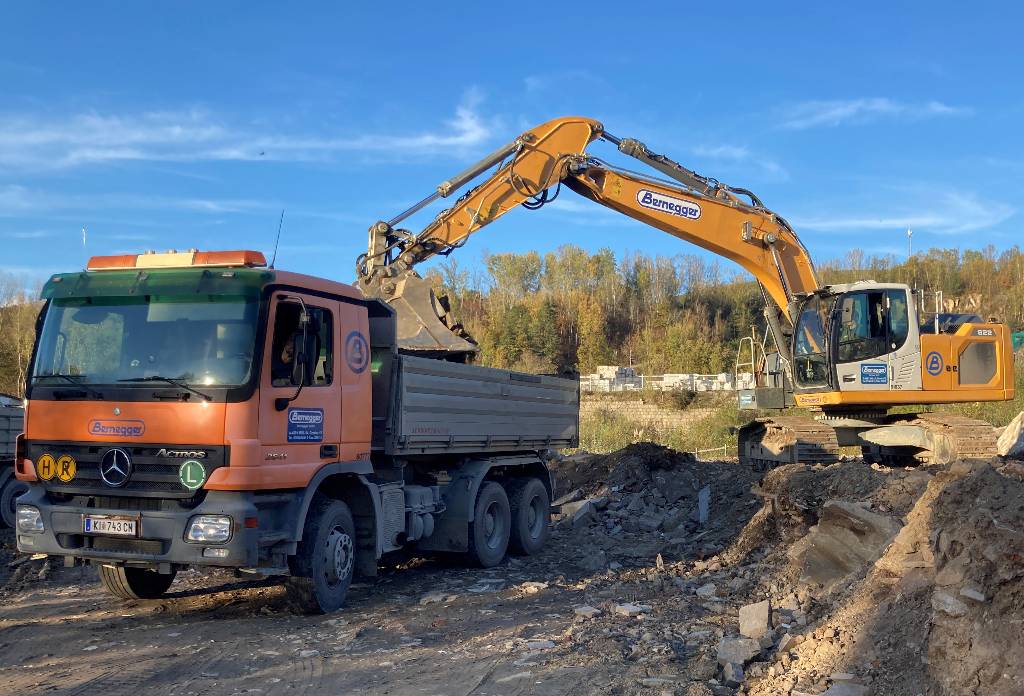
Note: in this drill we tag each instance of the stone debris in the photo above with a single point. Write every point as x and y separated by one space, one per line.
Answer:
706 591
755 619
1011 440
630 609
586 611
737 650
437 598
948 604
972 593
539 644
732 674
306 654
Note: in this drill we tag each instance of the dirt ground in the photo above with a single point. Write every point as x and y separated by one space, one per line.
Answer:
637 593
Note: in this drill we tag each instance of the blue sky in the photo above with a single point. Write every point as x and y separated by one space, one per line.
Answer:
170 125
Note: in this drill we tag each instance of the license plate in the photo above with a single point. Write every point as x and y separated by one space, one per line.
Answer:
113 526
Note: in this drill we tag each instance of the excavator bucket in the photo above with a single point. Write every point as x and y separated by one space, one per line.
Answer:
425 321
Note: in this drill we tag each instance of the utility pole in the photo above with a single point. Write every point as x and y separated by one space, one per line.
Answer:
910 243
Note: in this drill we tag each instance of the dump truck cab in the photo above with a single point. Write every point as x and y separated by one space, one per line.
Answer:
199 408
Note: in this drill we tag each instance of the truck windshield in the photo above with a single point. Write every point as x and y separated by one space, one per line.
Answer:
201 340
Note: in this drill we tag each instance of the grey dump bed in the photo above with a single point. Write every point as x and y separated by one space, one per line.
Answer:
443 407
10 428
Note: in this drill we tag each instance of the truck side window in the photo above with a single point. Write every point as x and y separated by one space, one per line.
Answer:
288 335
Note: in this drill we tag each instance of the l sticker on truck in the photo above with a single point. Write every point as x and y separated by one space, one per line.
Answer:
875 373
305 425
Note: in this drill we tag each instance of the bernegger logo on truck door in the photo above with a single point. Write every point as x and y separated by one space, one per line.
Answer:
305 425
668 204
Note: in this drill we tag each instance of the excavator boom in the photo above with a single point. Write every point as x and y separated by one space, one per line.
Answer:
689 206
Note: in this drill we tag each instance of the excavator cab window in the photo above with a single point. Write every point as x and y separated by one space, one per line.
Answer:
810 354
871 324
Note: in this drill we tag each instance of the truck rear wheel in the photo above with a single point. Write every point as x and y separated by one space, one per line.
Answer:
326 558
531 510
10 493
135 583
491 526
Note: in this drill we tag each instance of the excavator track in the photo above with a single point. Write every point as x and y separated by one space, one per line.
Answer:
765 443
930 438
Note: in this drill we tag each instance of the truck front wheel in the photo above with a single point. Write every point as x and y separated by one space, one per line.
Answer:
531 510
135 583
325 561
8 495
491 526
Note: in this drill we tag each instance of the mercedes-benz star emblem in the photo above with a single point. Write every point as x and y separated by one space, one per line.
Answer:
115 468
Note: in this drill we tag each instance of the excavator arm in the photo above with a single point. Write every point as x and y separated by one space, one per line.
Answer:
727 221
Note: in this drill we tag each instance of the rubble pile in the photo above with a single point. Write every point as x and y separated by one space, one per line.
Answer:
849 579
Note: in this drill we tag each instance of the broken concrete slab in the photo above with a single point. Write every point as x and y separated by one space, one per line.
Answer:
948 604
570 497
1011 441
846 539
737 650
755 619
630 609
732 674
846 689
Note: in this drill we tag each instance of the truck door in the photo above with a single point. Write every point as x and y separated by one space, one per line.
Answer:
300 407
877 347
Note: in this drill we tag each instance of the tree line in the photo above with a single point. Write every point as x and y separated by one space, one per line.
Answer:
571 309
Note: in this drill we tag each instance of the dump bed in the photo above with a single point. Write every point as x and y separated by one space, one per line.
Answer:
444 407
10 428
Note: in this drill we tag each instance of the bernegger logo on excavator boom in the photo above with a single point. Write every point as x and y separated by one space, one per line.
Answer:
668 204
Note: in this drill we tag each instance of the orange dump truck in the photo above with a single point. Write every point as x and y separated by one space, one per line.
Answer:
201 409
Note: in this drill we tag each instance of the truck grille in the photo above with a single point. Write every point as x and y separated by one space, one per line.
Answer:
152 476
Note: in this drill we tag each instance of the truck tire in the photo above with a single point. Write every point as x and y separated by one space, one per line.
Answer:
11 490
531 511
491 526
325 561
135 583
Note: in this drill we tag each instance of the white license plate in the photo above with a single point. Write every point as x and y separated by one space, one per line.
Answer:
114 526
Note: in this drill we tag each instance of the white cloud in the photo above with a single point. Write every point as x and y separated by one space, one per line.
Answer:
811 114
946 213
31 143
733 155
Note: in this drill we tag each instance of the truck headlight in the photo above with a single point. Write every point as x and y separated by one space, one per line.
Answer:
215 529
29 519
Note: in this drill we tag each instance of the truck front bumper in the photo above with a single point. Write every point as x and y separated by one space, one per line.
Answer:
161 533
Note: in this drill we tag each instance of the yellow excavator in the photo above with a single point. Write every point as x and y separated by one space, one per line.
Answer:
849 353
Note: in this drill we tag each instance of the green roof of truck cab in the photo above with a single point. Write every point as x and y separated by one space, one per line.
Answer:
136 282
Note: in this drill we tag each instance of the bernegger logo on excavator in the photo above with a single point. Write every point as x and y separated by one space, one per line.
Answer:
668 204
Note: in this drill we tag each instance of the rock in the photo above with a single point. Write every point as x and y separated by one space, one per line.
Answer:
656 681
706 591
948 604
630 609
674 520
973 593
845 689
703 505
737 650
651 522
842 676
586 611
732 674
570 497
532 587
1011 441
584 515
846 538
437 598
600 502
789 641
305 654
538 644
755 619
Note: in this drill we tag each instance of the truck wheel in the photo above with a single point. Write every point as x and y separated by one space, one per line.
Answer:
489 531
10 493
135 583
531 510
326 557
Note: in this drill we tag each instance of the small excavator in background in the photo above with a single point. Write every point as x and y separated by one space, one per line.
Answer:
849 353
